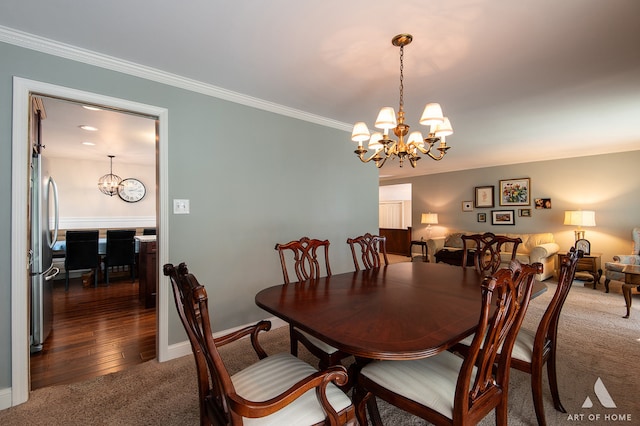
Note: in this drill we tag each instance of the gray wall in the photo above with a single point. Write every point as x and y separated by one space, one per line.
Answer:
607 184
254 178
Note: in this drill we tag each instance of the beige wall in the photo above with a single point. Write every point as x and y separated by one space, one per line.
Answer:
82 205
608 184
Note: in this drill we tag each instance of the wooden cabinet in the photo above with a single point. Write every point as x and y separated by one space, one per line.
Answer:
398 240
148 273
589 264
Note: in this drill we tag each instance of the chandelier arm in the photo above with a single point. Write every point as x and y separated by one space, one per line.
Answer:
372 157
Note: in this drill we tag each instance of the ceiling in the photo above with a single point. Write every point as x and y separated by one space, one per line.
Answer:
520 80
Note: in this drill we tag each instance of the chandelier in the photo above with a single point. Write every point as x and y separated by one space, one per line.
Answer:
384 147
109 183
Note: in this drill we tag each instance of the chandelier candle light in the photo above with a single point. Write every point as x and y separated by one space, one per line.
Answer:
109 183
384 147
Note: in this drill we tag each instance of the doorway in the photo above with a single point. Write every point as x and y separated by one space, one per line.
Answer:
95 331
22 91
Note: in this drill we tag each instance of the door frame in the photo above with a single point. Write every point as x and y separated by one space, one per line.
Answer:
22 89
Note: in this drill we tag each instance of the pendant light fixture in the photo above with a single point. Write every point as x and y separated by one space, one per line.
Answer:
384 147
109 183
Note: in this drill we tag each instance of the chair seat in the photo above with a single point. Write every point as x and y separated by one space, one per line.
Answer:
325 347
522 348
428 381
273 375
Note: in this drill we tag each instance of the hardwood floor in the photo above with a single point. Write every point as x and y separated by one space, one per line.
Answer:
96 331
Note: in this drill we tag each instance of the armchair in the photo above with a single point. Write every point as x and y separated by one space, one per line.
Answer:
613 270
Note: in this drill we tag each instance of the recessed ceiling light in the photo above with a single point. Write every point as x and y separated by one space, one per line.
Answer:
88 143
89 128
90 108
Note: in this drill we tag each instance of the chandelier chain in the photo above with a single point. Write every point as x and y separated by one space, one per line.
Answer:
401 78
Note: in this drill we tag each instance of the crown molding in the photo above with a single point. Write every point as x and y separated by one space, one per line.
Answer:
44 45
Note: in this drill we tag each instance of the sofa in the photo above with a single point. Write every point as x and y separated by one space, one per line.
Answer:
540 247
613 270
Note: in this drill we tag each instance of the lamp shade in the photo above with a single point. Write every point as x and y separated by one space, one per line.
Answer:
374 142
429 218
386 119
360 132
432 114
580 217
442 129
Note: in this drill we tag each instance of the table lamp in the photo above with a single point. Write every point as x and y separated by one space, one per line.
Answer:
580 218
429 219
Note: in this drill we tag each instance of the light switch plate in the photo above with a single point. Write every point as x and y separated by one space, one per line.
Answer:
180 206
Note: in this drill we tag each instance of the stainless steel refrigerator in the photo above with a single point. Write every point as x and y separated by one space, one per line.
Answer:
44 233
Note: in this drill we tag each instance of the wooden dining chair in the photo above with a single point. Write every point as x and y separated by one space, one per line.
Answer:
278 389
120 251
533 349
303 255
371 248
488 248
446 389
81 252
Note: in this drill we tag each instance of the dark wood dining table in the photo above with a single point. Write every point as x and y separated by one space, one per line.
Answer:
406 310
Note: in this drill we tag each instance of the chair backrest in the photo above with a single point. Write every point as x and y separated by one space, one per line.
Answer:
120 247
214 381
149 231
505 298
548 326
488 246
371 247
305 258
81 250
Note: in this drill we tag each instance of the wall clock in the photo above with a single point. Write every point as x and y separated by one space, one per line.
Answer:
131 190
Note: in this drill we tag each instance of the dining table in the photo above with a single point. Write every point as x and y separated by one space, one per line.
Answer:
401 311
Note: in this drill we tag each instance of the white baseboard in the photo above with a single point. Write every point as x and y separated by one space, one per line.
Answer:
5 398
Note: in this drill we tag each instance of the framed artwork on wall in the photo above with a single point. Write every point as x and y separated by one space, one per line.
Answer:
515 192
482 217
484 196
502 217
467 206
524 212
543 203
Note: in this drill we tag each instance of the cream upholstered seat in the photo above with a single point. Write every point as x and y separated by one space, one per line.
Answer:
276 390
272 376
613 270
445 388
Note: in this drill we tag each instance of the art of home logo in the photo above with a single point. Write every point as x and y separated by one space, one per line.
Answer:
603 396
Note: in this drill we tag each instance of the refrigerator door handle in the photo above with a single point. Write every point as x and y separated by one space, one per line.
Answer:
51 273
56 219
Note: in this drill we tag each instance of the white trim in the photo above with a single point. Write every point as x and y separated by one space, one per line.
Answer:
5 398
41 44
107 222
19 190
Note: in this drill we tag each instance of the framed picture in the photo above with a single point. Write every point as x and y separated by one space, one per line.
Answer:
543 203
467 206
524 212
484 196
515 192
502 217
482 217
584 245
